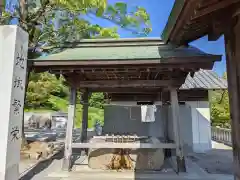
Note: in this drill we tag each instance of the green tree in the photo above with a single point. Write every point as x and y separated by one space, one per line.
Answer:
41 86
220 112
97 100
52 24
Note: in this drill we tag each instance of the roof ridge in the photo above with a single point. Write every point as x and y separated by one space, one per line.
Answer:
114 40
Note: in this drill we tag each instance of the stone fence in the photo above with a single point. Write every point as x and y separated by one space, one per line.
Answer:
222 135
58 119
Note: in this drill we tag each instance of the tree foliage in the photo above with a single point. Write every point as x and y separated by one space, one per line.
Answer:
97 100
40 89
220 112
52 24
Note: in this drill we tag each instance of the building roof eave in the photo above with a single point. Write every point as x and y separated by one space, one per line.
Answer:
192 19
172 20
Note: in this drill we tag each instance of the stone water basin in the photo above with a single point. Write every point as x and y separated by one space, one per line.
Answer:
141 159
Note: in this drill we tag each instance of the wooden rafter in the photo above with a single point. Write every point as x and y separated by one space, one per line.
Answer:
206 3
213 8
184 17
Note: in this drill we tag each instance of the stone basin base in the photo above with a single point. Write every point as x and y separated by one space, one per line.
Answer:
137 159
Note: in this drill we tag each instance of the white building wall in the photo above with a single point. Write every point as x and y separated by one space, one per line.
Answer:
201 126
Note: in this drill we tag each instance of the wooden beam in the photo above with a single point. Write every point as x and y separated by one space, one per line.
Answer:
206 3
126 90
67 160
140 97
217 31
95 63
184 16
219 25
232 46
215 7
183 95
110 145
177 131
199 62
129 83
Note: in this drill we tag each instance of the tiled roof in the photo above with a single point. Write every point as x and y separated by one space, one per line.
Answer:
124 49
204 79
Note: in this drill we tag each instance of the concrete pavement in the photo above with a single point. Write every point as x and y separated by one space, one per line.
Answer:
51 170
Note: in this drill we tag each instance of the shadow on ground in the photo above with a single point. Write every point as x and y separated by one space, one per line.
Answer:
41 166
215 161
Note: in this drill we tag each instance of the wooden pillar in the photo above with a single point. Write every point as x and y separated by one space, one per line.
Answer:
168 152
84 116
232 46
68 141
24 141
165 123
165 107
176 128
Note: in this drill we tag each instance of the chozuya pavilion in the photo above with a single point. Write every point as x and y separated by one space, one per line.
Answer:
136 74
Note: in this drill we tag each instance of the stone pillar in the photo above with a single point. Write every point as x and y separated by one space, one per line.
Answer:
84 116
68 141
13 65
176 128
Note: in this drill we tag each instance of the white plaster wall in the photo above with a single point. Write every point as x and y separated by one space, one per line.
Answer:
201 126
195 126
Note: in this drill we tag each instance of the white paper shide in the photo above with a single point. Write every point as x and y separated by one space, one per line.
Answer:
148 113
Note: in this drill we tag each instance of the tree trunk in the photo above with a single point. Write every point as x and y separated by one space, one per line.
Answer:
1 7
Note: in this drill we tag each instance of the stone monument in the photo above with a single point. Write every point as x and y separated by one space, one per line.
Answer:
13 66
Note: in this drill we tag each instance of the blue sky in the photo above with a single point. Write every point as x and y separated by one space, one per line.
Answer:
159 11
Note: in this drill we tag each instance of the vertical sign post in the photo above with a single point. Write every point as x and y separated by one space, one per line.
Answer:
13 62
